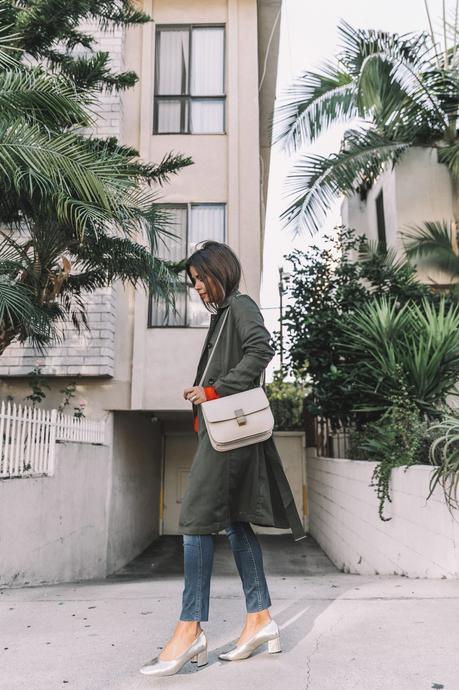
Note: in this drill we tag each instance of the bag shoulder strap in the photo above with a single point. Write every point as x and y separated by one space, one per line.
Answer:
263 373
213 349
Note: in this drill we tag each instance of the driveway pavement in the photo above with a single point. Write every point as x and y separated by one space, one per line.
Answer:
338 631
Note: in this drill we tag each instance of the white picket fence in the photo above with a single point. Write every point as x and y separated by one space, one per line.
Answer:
79 430
28 437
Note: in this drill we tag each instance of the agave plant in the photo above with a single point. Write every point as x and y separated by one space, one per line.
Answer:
421 340
444 454
401 91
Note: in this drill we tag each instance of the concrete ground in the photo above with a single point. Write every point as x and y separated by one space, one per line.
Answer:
338 631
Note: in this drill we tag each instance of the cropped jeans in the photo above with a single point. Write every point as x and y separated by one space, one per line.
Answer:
198 552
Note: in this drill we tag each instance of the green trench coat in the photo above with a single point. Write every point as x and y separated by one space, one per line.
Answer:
246 484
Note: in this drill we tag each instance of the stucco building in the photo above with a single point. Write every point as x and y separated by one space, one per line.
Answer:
207 77
416 190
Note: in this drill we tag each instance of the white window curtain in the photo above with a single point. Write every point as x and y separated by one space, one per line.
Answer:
207 79
173 62
207 222
171 249
171 114
172 79
207 61
193 224
159 315
207 116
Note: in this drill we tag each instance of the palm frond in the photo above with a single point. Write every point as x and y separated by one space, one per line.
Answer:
449 155
317 181
91 71
396 94
395 263
9 51
430 245
314 102
157 173
87 186
20 318
358 44
33 93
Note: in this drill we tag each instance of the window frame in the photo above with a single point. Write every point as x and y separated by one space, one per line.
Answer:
187 98
188 206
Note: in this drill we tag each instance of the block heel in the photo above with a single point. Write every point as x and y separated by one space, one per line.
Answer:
274 645
201 658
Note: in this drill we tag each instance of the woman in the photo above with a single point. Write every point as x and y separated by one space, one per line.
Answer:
231 489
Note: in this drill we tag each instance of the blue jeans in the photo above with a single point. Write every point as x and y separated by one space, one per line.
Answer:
198 552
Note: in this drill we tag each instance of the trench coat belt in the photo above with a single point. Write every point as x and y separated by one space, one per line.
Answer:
291 512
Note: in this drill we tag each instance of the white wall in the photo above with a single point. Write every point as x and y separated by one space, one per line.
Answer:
135 487
421 539
98 511
54 529
418 189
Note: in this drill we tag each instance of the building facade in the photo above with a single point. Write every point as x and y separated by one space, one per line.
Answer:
207 77
416 190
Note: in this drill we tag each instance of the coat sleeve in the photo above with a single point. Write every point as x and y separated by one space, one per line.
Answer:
255 339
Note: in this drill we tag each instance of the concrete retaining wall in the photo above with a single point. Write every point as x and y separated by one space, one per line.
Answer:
98 511
136 482
54 529
421 539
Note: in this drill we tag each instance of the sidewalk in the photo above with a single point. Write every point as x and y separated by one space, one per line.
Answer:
339 631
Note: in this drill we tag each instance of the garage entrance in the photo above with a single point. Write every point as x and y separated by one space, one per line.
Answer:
179 449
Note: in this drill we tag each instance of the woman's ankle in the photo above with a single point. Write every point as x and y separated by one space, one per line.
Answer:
258 617
189 627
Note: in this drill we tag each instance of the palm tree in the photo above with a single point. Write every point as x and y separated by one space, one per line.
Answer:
75 212
433 246
45 277
401 91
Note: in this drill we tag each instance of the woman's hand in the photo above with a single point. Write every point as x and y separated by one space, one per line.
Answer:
195 395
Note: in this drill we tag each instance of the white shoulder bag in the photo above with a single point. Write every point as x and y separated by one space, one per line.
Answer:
237 420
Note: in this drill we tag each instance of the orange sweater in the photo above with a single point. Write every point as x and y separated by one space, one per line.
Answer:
211 394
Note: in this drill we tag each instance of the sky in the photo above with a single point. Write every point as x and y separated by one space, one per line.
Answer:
309 36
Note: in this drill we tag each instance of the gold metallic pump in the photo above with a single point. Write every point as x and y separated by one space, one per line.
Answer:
197 651
268 633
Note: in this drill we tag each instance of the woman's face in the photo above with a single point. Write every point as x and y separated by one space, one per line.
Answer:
199 285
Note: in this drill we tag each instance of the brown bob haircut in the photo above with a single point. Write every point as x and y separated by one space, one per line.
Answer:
217 261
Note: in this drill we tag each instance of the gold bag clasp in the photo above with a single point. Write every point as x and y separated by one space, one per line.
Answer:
240 416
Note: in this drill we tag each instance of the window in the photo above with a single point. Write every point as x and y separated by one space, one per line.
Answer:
381 221
189 82
192 223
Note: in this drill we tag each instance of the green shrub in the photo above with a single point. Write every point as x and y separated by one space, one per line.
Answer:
287 402
417 344
399 438
327 287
